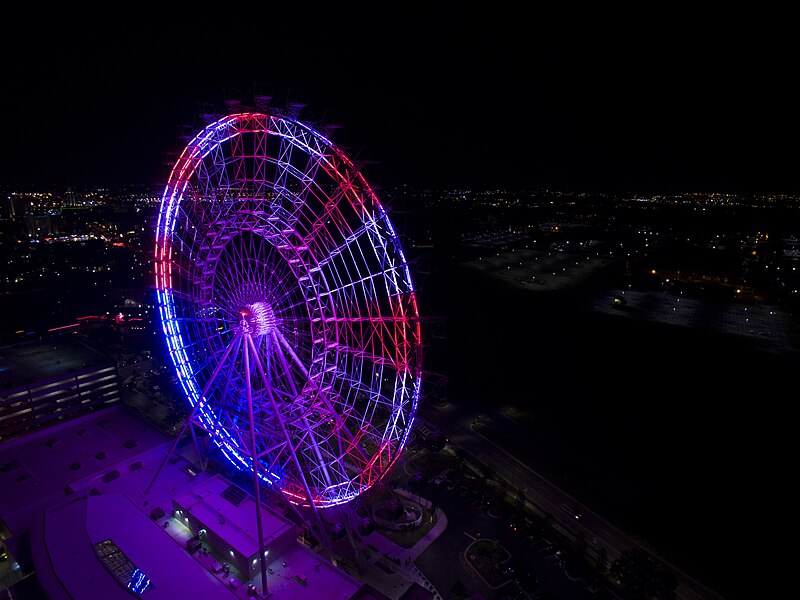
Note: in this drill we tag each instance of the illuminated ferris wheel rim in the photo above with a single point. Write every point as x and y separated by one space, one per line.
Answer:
227 127
323 369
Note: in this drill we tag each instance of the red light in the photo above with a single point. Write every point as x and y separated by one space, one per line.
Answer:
62 327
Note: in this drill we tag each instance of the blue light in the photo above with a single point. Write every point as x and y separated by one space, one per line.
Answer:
139 583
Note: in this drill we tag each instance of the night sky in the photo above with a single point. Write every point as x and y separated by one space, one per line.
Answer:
626 102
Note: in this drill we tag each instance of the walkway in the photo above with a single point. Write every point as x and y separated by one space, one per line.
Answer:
389 567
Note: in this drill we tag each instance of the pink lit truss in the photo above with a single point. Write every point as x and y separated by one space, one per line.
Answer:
286 301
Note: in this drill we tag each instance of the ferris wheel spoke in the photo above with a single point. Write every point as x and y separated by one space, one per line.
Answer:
287 347
232 348
289 310
326 407
286 381
320 463
286 436
307 426
285 384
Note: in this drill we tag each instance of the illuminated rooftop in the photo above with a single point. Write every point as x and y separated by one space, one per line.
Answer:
36 468
235 524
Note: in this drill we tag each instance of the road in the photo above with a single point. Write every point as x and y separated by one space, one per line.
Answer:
461 426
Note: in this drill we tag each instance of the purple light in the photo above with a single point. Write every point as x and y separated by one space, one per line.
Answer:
273 252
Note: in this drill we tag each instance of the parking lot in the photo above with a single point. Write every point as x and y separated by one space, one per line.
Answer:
541 564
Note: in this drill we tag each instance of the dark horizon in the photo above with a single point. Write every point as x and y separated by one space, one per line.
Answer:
449 100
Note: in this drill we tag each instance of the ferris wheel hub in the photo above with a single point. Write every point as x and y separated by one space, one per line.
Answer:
259 318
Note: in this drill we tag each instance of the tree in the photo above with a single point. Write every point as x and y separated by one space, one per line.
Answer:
501 490
435 442
580 544
459 590
643 577
461 457
602 560
417 481
547 523
520 499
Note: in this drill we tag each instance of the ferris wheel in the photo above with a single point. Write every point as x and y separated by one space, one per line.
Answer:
288 308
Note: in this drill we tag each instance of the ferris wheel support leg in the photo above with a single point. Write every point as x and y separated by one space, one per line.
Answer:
200 454
190 418
309 496
255 461
172 448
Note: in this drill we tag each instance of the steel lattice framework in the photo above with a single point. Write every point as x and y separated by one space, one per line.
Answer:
288 307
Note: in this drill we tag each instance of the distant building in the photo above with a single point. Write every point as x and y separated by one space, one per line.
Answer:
39 226
42 382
